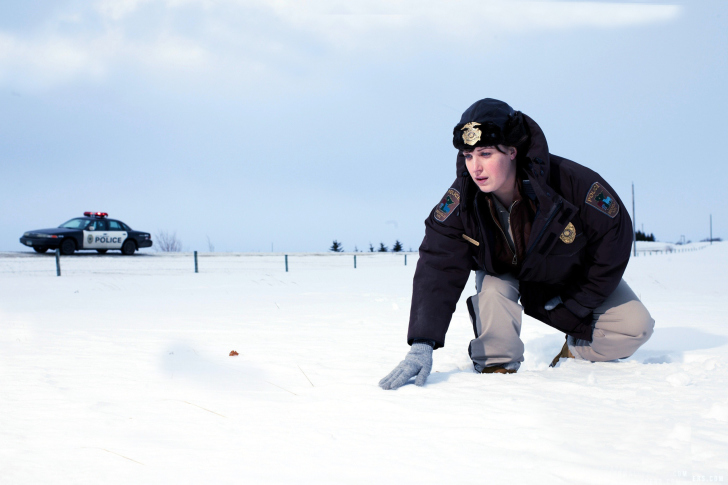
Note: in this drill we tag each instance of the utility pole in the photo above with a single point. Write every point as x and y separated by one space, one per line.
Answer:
634 224
711 229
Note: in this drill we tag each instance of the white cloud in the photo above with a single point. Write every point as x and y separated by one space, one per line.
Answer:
60 58
360 24
41 63
118 9
254 37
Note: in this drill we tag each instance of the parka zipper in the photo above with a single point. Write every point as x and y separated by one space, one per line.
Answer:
515 258
556 209
497 223
482 232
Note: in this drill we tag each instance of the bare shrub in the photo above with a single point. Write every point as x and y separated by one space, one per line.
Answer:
210 246
168 242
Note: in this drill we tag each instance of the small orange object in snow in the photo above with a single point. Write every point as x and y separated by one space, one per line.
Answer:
233 353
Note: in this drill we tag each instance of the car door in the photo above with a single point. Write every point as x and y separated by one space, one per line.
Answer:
95 234
116 235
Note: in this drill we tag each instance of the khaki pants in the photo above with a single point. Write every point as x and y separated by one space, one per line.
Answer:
621 325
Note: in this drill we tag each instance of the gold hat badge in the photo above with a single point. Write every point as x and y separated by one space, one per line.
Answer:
471 134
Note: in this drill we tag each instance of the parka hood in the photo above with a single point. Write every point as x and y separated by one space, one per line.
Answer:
537 154
487 109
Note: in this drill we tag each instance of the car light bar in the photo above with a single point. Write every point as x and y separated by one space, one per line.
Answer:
95 214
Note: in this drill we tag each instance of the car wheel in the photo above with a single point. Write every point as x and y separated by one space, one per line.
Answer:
102 251
40 250
68 247
128 247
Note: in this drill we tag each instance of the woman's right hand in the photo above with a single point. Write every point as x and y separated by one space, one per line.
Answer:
418 362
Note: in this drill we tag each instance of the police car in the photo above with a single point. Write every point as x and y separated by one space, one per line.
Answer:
93 231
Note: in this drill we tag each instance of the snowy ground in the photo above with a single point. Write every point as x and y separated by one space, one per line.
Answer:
118 372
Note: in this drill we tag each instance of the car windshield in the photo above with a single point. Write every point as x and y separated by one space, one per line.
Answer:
75 224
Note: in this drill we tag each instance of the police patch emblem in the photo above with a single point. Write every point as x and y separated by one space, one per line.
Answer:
447 205
90 239
569 234
600 198
471 134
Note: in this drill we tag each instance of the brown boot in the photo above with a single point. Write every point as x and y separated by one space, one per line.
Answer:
497 369
564 354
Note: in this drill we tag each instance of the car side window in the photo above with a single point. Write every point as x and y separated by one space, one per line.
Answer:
75 224
101 225
115 226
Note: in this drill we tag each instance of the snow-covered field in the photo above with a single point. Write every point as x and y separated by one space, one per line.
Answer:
119 372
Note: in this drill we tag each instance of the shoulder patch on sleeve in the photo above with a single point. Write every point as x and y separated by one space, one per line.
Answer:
600 198
447 205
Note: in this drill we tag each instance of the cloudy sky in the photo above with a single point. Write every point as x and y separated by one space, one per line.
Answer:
289 124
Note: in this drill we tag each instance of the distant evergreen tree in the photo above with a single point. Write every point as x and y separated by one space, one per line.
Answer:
371 248
397 246
336 247
382 248
356 250
641 236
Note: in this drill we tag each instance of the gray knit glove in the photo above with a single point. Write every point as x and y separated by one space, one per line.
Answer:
418 362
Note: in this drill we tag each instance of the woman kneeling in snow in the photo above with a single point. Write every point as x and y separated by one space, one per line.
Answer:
532 225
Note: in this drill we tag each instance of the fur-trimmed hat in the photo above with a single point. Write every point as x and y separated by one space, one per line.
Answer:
489 122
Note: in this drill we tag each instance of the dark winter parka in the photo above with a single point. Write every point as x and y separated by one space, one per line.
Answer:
570 200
